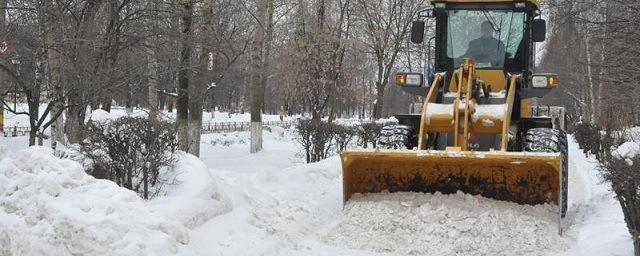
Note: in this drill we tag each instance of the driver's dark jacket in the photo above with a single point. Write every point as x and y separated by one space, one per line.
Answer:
486 50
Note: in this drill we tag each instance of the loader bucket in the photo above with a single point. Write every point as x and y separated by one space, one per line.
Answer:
520 177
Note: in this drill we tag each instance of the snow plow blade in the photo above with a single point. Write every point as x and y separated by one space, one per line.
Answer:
520 177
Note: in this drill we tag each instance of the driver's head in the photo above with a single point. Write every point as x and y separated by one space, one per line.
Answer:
487 29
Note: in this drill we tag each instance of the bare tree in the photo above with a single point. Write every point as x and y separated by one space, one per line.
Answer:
183 77
260 59
387 24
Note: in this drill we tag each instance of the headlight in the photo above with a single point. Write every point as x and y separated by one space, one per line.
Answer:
544 80
409 79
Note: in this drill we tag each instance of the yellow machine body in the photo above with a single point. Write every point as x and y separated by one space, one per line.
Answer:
521 177
526 178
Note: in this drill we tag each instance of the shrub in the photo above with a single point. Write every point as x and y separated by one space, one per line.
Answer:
369 134
319 140
343 136
131 151
624 176
588 137
315 138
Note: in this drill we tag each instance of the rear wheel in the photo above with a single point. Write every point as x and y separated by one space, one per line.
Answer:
397 137
551 140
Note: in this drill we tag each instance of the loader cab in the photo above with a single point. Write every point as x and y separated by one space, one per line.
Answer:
499 36
460 33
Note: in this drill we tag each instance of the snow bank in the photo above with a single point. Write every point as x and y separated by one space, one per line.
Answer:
627 151
50 206
100 115
195 197
435 224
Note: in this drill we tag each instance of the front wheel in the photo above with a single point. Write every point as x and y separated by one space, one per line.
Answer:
397 137
549 140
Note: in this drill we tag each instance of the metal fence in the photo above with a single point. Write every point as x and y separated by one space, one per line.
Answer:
16 131
214 127
217 127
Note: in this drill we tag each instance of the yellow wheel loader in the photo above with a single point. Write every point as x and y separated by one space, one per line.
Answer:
476 132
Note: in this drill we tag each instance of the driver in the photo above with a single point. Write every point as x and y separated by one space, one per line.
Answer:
486 48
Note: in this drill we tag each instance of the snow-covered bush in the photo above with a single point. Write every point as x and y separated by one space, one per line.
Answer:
588 137
319 139
344 134
622 169
368 133
315 138
131 151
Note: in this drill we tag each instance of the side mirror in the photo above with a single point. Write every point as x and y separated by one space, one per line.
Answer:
539 30
417 32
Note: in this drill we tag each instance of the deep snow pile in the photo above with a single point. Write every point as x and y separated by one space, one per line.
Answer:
436 224
195 197
50 206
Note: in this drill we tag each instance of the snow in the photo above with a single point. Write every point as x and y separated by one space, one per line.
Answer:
227 139
627 151
50 206
599 227
195 197
100 115
496 111
270 203
488 123
440 109
484 111
500 94
456 224
282 208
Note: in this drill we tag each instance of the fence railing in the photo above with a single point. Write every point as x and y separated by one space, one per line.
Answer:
16 131
214 127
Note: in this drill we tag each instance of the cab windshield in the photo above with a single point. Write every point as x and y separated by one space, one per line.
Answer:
491 38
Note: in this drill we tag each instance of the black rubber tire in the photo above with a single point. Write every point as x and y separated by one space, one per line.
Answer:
551 140
397 137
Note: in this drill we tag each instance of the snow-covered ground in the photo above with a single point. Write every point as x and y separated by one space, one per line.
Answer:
270 203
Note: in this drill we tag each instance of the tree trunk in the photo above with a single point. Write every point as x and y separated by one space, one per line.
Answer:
259 56
182 108
636 245
592 102
198 89
377 106
52 32
3 13
152 65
